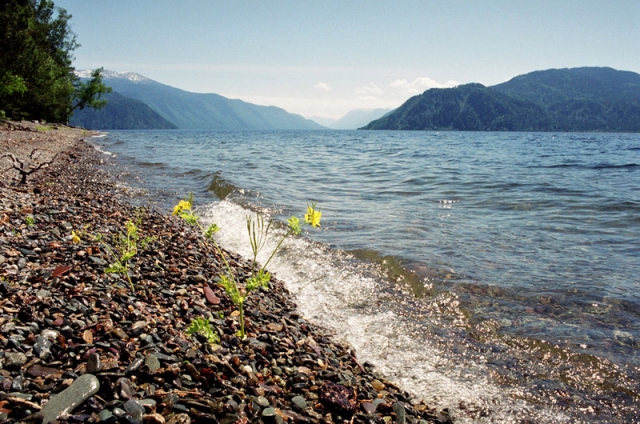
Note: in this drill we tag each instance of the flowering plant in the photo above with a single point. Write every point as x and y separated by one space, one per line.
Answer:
258 231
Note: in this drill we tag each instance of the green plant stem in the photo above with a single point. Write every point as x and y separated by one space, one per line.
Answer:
276 249
241 309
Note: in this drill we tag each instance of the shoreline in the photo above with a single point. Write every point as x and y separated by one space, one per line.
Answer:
64 318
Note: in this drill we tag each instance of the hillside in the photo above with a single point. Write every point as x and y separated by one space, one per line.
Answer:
579 99
203 111
352 120
120 113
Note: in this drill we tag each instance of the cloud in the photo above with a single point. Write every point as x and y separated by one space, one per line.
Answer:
419 85
371 88
323 86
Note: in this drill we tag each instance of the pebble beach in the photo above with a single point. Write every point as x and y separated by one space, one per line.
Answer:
77 344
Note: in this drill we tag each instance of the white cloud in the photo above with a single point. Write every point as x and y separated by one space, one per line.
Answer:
371 88
323 86
419 85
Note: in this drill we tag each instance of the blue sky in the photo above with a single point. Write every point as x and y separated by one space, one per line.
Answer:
325 58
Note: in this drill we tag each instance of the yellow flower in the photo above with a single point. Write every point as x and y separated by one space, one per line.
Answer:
75 238
312 216
182 205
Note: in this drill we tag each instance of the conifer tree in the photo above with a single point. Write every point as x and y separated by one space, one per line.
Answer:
37 79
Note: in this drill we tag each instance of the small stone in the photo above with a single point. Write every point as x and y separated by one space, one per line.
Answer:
119 333
275 326
211 296
42 347
38 370
398 408
148 403
93 363
299 402
126 388
368 407
269 412
98 261
152 362
18 384
69 399
377 385
8 327
179 419
262 401
134 408
153 419
43 294
50 334
14 360
135 365
106 416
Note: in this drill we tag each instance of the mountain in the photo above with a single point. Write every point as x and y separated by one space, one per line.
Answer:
202 111
353 119
578 99
120 113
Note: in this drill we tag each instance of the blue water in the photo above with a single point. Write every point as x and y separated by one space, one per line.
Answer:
494 274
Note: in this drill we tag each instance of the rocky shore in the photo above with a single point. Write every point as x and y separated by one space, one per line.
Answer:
78 345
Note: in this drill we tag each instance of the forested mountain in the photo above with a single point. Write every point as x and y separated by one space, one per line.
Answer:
203 111
120 113
579 99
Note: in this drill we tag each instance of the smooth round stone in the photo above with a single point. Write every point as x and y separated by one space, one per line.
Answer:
262 401
93 363
398 408
106 416
269 413
135 409
299 402
149 403
152 362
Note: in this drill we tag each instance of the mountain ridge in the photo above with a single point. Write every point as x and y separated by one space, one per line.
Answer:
569 99
209 111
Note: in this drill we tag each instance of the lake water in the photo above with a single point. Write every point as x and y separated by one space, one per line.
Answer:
494 274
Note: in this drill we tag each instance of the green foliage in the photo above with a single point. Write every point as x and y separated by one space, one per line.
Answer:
36 76
30 221
258 233
203 327
126 246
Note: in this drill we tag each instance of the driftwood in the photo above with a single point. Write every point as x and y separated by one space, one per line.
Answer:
25 171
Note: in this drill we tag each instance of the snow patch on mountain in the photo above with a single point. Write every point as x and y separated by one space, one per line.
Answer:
106 74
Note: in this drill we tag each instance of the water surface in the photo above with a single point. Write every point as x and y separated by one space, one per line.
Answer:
495 274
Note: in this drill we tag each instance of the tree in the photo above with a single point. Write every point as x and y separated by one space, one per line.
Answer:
37 80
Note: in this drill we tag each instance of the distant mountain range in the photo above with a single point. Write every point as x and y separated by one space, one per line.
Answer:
578 99
150 104
352 120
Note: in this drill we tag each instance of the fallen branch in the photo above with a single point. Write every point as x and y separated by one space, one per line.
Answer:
19 166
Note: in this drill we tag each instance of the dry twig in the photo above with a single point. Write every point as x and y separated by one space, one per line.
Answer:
19 166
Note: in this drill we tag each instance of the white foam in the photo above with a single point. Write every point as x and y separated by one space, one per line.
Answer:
333 293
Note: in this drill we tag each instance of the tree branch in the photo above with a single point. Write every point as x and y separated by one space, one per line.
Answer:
19 166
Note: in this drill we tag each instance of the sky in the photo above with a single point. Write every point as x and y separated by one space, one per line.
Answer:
325 58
